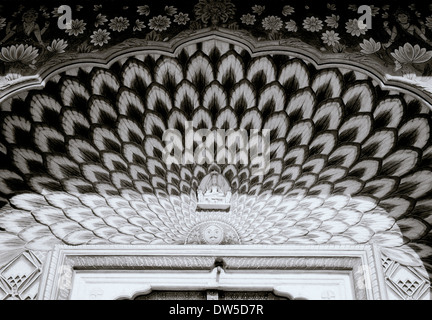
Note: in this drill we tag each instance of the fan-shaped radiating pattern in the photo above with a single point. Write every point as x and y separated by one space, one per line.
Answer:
82 160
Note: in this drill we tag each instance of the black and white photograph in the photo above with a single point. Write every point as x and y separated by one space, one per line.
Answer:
218 150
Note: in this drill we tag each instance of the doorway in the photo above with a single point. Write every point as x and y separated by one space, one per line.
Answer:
210 295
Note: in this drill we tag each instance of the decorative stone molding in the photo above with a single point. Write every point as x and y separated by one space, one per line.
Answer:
129 260
406 282
19 279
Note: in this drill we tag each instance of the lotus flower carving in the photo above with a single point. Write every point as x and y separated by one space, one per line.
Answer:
411 54
19 53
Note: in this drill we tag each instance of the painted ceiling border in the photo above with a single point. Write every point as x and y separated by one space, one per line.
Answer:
172 48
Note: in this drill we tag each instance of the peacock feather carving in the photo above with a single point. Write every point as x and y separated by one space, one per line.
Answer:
81 160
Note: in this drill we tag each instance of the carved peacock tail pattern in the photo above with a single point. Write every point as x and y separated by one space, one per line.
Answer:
82 160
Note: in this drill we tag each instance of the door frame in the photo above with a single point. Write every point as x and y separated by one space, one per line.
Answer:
136 270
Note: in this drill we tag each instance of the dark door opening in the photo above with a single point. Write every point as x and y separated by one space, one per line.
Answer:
210 295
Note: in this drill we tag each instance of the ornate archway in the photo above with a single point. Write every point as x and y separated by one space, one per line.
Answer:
82 153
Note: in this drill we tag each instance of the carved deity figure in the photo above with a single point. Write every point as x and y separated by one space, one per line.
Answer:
214 192
25 31
405 30
214 189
